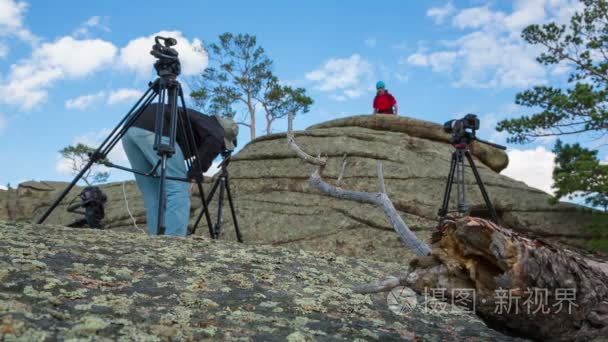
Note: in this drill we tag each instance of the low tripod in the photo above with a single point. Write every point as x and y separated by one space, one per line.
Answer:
168 91
457 169
223 183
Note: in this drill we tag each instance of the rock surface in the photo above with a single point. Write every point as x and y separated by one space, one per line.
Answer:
59 283
276 203
276 207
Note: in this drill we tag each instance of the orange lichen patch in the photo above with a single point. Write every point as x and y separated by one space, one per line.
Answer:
92 283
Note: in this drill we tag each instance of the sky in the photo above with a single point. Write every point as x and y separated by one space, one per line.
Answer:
69 71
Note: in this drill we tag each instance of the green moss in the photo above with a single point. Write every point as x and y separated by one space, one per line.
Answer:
599 245
599 228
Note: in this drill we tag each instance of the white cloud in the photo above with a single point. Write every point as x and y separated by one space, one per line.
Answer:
533 167
417 59
93 139
123 95
111 98
136 54
67 58
491 53
343 77
439 14
370 42
11 20
95 22
84 101
476 17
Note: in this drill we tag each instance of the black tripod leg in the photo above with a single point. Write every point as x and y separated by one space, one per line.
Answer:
213 189
220 201
448 187
205 211
207 201
65 191
239 238
101 150
165 151
482 187
160 228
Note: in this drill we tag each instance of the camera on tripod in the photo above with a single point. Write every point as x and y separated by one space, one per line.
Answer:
168 62
462 130
92 200
200 137
463 134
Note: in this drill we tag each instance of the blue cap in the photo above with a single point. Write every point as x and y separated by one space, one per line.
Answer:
380 85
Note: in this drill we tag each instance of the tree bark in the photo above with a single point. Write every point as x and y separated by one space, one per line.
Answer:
523 285
251 109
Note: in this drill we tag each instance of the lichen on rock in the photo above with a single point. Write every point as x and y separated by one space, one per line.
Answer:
111 285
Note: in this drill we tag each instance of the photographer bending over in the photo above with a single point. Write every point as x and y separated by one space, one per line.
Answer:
138 143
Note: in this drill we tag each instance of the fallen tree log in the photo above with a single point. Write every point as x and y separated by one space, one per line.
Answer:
524 285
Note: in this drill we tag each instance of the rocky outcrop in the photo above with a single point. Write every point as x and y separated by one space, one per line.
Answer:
275 200
276 206
58 283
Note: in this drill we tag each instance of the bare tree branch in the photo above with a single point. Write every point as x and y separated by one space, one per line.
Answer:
291 143
381 186
339 181
380 199
383 285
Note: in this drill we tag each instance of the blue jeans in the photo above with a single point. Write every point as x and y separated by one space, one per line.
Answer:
138 144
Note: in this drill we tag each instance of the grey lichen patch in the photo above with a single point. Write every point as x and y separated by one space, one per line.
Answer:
87 326
105 285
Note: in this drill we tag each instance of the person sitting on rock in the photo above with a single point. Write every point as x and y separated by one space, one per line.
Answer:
384 102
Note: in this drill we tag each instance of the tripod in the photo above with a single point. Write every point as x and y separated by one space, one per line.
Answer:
222 182
168 91
457 168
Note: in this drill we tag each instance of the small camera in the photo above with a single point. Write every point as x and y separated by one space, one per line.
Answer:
93 201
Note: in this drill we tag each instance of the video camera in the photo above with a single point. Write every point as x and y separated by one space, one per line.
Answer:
463 131
168 62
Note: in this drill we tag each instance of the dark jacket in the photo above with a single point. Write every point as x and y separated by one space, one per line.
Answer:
206 142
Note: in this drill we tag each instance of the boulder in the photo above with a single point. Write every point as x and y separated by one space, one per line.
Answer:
275 205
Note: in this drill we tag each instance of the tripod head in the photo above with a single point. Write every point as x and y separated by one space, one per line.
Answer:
168 64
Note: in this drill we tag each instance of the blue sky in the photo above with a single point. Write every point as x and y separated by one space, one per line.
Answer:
69 72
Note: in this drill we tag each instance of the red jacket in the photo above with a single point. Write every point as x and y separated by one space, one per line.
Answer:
384 103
